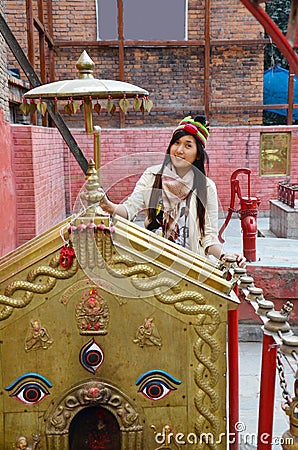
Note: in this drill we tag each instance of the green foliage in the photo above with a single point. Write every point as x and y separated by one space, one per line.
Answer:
270 118
279 11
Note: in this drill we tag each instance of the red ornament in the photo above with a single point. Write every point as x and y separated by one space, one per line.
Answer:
67 255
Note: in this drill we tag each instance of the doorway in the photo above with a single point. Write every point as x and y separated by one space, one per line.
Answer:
94 428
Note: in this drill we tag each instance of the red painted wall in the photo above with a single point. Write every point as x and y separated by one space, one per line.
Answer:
48 178
231 148
7 191
40 182
126 153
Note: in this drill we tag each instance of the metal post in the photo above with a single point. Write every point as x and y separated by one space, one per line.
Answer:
267 393
97 139
290 96
121 52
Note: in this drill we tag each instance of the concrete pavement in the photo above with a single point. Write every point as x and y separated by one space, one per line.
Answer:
271 251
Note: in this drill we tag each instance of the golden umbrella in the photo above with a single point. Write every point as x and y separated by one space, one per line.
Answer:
87 88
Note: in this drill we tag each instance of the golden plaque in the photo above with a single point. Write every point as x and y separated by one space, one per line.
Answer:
275 153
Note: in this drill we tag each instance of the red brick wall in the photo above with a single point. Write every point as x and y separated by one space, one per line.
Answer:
7 188
3 78
7 191
228 149
236 81
40 181
74 20
74 177
15 14
174 77
48 178
232 148
231 20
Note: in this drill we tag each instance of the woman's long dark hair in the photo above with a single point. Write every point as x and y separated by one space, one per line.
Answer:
199 182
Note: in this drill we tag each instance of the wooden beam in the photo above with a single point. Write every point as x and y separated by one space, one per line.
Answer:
226 108
42 50
49 37
42 54
41 29
174 44
207 55
30 31
239 42
160 43
129 43
121 52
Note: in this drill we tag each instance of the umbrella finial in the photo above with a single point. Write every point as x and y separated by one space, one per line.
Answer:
85 65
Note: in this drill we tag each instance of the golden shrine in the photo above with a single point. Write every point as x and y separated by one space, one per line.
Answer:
111 336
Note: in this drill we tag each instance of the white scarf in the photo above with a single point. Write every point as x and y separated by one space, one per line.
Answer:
174 190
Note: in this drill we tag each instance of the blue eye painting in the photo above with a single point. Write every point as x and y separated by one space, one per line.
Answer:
156 384
91 356
30 388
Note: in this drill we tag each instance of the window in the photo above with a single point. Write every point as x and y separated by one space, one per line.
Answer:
143 19
107 13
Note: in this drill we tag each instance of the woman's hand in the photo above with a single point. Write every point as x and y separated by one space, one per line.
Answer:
104 202
109 207
240 259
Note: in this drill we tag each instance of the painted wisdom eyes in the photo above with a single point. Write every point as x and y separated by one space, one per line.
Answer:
156 384
91 356
30 388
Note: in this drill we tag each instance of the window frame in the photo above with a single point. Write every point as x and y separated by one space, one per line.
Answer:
120 31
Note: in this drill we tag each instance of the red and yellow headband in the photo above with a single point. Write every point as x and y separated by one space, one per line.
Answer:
195 128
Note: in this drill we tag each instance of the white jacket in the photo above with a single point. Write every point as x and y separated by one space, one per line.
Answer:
139 201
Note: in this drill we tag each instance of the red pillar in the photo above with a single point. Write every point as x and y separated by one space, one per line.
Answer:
267 393
233 378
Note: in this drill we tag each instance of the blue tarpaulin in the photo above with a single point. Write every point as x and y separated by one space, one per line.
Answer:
276 90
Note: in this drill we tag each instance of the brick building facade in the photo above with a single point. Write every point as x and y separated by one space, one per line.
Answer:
218 69
3 76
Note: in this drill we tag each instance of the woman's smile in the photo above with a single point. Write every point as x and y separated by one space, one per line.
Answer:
183 153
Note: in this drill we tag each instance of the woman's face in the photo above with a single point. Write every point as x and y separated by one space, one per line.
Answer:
183 153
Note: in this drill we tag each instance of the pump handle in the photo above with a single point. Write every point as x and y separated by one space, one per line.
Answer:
235 189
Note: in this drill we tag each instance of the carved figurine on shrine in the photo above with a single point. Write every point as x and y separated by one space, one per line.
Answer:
37 337
147 334
92 314
22 444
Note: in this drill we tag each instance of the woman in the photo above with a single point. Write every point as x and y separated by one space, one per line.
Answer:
179 200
